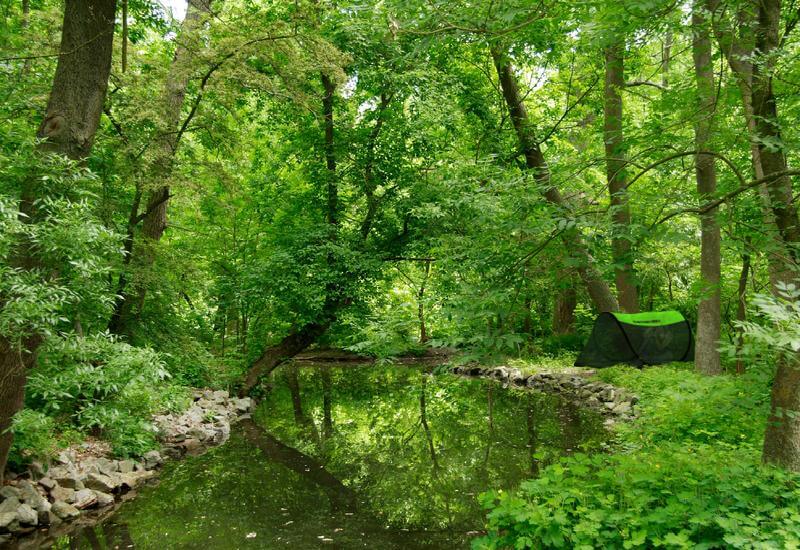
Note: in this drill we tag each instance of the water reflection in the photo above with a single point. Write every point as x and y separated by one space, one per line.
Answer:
353 457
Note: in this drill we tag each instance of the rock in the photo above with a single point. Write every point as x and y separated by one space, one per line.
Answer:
65 511
243 405
132 479
9 505
106 466
126 466
221 433
6 519
70 482
48 483
65 457
5 539
85 498
192 446
104 483
62 494
221 395
152 459
9 491
622 408
103 499
31 496
609 405
172 452
27 515
36 469
607 394
178 438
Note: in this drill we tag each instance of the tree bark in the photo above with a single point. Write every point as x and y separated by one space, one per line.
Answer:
782 436
598 289
706 357
741 310
69 126
158 169
565 302
627 292
738 49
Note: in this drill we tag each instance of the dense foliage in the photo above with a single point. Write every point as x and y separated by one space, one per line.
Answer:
212 192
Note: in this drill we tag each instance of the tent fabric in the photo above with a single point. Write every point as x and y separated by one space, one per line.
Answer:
649 338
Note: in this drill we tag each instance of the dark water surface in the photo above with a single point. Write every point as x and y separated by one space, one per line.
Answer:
352 457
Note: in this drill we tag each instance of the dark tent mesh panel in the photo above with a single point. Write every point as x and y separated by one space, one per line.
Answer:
638 339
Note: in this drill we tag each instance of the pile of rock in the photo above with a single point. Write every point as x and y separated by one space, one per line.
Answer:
75 484
605 398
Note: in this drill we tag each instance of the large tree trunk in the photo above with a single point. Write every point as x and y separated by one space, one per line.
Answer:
782 436
598 289
156 173
69 126
706 355
741 310
564 303
615 174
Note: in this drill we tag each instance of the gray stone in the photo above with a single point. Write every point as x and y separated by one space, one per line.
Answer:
27 515
4 539
126 466
106 466
9 505
36 469
70 482
85 498
6 519
65 458
622 408
9 491
102 482
220 395
47 483
243 405
103 499
152 459
63 494
65 511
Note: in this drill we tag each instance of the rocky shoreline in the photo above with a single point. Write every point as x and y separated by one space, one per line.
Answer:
82 486
613 402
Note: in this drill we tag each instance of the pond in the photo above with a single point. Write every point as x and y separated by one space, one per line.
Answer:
353 457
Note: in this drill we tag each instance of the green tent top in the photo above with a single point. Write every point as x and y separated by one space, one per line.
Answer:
650 318
649 338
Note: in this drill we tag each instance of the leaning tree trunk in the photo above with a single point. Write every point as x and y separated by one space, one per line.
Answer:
598 289
306 335
131 294
69 126
627 292
782 436
706 357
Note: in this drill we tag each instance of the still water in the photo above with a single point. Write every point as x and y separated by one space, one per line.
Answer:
352 457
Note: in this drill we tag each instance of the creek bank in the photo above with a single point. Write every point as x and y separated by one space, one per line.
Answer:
609 400
84 482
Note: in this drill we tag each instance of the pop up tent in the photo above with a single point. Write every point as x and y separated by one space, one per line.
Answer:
638 339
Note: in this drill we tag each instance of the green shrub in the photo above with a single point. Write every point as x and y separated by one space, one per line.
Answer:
671 497
101 384
680 405
34 438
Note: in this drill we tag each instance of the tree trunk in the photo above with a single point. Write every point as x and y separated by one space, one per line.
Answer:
158 171
782 436
666 58
738 48
613 136
276 355
69 126
706 357
598 289
741 310
565 302
423 330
